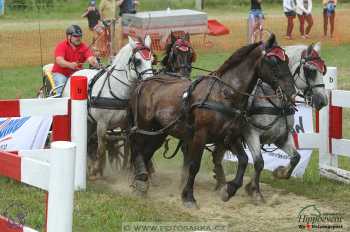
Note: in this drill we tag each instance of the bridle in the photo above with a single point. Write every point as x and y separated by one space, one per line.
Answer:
312 59
279 53
133 62
182 46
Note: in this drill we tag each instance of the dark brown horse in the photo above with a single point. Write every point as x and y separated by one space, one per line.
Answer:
179 56
209 110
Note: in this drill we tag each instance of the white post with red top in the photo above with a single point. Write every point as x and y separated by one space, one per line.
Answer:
48 169
55 169
61 187
78 94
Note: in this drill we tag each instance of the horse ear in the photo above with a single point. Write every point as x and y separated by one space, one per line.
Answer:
271 41
132 42
148 41
187 37
317 47
310 48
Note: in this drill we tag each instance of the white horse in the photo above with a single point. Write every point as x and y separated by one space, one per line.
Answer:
109 93
271 120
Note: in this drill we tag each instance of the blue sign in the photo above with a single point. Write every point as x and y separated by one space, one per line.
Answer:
2 7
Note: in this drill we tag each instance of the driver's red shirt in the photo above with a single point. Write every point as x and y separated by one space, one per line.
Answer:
70 53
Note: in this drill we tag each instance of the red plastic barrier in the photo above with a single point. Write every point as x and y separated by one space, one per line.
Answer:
216 28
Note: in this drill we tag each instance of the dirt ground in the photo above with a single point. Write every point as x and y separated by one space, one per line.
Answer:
242 213
26 43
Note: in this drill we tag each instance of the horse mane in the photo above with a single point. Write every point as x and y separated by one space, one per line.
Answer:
236 58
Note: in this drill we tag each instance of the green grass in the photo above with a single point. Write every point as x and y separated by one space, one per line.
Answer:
95 210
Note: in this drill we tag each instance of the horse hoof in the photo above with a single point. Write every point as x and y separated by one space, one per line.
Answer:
224 194
219 186
141 187
190 205
279 173
248 188
259 198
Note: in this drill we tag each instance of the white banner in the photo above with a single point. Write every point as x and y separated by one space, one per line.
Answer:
25 133
303 123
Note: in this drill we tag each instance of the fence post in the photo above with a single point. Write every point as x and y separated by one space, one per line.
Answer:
79 127
325 155
61 187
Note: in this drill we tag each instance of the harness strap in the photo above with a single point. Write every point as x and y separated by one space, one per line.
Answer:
218 107
271 111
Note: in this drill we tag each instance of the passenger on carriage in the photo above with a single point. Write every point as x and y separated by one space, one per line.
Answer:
70 55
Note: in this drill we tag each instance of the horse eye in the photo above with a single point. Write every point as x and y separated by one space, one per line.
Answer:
137 62
310 73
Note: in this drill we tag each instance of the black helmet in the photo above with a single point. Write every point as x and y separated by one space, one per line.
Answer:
74 30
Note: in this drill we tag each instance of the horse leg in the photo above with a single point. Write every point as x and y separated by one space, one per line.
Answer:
91 146
185 165
289 148
231 187
99 163
195 151
253 187
141 156
126 155
219 173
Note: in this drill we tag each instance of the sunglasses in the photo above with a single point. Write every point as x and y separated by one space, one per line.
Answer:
76 36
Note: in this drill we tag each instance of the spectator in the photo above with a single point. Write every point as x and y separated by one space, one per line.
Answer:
255 21
303 10
289 11
93 16
107 10
125 6
329 15
70 54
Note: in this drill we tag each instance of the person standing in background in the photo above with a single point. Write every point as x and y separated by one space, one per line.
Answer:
303 10
107 10
108 16
329 15
289 11
93 16
255 21
125 6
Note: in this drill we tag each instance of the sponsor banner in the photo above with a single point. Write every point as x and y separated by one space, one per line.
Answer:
24 133
274 158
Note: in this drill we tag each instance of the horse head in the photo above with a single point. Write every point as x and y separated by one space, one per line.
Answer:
138 58
309 76
179 55
274 69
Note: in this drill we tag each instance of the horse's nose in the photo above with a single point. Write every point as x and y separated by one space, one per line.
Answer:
319 101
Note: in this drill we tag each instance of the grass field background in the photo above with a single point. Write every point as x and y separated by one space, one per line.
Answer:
98 209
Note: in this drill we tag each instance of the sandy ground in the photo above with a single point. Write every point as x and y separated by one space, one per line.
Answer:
242 213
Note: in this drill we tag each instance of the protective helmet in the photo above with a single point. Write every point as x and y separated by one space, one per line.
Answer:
74 30
92 3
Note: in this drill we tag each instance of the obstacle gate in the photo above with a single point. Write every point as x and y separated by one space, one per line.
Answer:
328 138
58 170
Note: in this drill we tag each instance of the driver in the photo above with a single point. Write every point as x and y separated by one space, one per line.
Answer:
70 55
